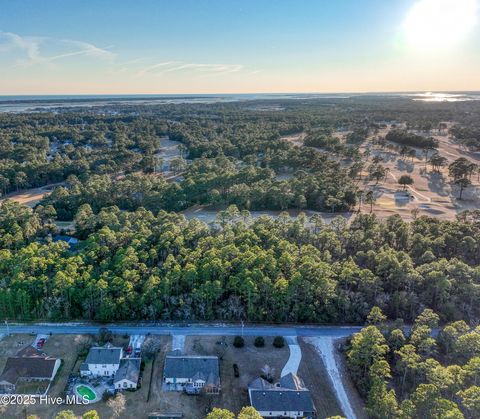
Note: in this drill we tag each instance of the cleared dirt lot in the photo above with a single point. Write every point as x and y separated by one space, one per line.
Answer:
31 197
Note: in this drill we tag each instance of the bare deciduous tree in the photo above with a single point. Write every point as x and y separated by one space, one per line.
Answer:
117 404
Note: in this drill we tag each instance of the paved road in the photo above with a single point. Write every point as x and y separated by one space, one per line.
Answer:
175 329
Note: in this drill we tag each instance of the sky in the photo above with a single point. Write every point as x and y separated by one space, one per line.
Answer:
244 46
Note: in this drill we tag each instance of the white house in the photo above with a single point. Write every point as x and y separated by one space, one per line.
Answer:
102 361
128 374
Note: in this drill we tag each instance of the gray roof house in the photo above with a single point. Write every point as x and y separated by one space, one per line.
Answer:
289 398
102 361
191 373
23 369
127 374
71 241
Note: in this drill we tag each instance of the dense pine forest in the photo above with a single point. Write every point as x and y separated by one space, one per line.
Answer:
428 373
140 259
141 265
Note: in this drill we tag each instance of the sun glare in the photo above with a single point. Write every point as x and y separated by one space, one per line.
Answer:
437 24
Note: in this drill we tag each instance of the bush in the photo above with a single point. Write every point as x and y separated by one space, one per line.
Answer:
106 396
279 342
259 342
104 335
238 342
236 371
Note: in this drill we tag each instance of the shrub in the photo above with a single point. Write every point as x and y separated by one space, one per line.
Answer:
259 342
238 342
236 371
279 342
106 396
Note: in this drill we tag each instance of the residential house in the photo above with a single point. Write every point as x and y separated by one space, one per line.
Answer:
191 373
289 398
29 365
102 361
127 374
71 241
30 351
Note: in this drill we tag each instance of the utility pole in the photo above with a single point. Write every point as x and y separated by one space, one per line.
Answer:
243 325
8 329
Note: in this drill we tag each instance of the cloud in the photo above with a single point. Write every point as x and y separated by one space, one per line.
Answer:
32 48
84 48
153 67
29 45
179 66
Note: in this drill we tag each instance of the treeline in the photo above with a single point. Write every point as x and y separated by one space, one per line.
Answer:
468 136
420 374
219 182
406 138
137 265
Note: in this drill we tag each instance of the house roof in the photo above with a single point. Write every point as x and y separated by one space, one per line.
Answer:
195 367
129 370
68 239
290 394
29 351
281 400
292 381
260 384
104 355
27 367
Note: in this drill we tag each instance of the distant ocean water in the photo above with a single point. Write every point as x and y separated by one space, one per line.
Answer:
28 103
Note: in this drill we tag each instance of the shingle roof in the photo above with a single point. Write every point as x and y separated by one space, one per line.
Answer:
260 384
292 381
198 367
67 239
27 367
104 355
281 400
29 351
289 394
129 370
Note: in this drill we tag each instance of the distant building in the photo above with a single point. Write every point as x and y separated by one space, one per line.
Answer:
29 365
287 399
128 374
102 361
71 241
191 373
